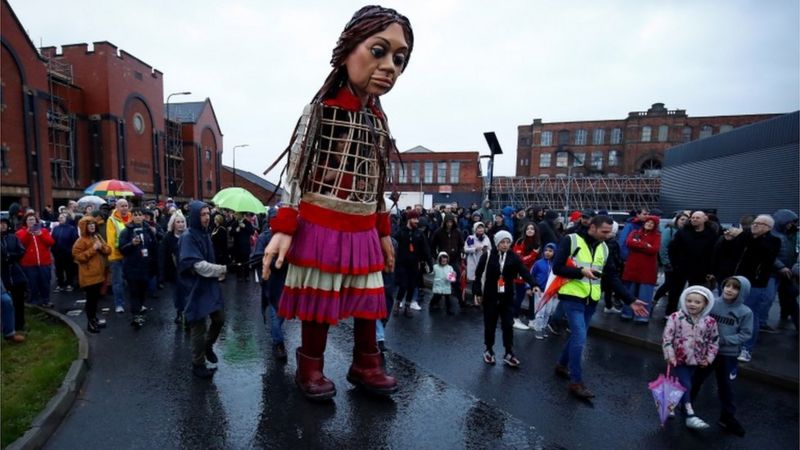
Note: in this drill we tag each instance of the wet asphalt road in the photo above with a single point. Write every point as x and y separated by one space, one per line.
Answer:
140 392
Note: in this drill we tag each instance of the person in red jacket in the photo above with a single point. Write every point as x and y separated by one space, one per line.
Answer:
641 267
527 248
37 261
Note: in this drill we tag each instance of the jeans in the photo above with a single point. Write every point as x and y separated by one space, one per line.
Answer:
579 314
519 297
275 326
643 292
39 283
759 301
7 315
18 292
117 282
725 368
684 374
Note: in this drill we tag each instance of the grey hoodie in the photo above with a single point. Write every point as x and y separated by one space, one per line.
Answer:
734 321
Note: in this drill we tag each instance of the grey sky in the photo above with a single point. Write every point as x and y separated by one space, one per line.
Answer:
477 66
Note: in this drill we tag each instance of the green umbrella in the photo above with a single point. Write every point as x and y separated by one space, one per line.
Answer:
239 200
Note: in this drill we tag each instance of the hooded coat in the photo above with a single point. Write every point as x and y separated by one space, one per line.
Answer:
473 248
643 247
734 320
91 263
448 241
547 228
135 264
37 248
688 342
441 285
203 294
787 256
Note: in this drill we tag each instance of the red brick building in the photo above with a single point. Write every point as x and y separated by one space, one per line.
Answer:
257 186
84 114
631 146
447 176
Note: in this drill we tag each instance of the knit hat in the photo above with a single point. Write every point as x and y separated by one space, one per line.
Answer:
574 216
476 225
551 214
587 213
500 236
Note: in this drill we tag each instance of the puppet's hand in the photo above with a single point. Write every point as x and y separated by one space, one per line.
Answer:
388 254
276 249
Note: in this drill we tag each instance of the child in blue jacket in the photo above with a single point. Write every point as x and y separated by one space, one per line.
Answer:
540 272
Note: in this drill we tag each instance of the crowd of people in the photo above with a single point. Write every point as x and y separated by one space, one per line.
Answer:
497 261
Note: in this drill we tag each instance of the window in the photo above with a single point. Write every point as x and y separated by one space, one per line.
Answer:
562 159
415 172
686 134
563 137
428 172
208 155
578 159
706 131
613 158
524 141
616 136
4 157
599 136
651 168
663 133
646 131
441 173
138 123
455 172
580 137
547 138
208 185
597 160
725 128
402 176
544 159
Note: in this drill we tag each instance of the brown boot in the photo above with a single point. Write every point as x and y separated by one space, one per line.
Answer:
580 390
366 372
310 380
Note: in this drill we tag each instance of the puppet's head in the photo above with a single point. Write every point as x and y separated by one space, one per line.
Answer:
365 24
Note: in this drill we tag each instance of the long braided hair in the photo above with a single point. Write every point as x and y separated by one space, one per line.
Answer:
366 22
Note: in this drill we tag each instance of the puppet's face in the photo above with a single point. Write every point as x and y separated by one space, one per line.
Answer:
374 65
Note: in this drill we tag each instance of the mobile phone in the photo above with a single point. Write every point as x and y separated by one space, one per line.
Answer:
36 227
597 273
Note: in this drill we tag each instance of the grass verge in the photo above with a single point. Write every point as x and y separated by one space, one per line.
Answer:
33 371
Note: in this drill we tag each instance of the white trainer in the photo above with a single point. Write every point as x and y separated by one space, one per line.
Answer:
520 326
415 306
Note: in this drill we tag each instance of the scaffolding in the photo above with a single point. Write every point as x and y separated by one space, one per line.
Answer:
174 158
621 193
61 125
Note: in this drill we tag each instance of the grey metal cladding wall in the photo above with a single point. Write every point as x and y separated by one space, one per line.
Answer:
773 132
754 182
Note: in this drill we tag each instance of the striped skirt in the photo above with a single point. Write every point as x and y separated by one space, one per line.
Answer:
333 275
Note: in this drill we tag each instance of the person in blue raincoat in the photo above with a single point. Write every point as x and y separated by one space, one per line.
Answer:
200 276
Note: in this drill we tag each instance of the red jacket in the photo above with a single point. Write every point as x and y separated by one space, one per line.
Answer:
642 263
37 248
527 259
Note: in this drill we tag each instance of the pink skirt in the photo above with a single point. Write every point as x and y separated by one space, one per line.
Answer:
333 275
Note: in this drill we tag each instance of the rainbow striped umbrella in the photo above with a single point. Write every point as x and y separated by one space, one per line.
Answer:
114 188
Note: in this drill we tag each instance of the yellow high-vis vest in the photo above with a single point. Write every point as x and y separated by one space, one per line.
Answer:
584 287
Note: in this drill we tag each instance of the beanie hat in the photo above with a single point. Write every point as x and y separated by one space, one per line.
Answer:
574 216
500 236
413 214
551 214
476 225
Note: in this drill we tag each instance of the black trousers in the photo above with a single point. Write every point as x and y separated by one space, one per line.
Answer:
201 339
92 299
137 289
407 279
65 271
495 307
18 293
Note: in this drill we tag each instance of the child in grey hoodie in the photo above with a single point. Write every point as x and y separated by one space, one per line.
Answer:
735 325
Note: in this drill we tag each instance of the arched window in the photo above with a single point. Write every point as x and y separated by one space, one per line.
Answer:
725 128
651 168
686 134
646 133
563 137
706 131
663 133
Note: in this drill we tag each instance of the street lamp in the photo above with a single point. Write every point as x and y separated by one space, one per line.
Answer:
494 148
234 161
569 173
167 145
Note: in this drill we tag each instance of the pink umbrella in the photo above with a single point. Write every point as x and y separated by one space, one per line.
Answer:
667 393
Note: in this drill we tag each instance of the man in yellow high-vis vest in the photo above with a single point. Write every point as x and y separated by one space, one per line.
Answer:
579 297
114 226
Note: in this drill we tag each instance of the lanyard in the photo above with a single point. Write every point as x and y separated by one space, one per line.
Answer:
502 262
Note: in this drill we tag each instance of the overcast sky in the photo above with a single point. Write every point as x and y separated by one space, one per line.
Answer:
477 66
